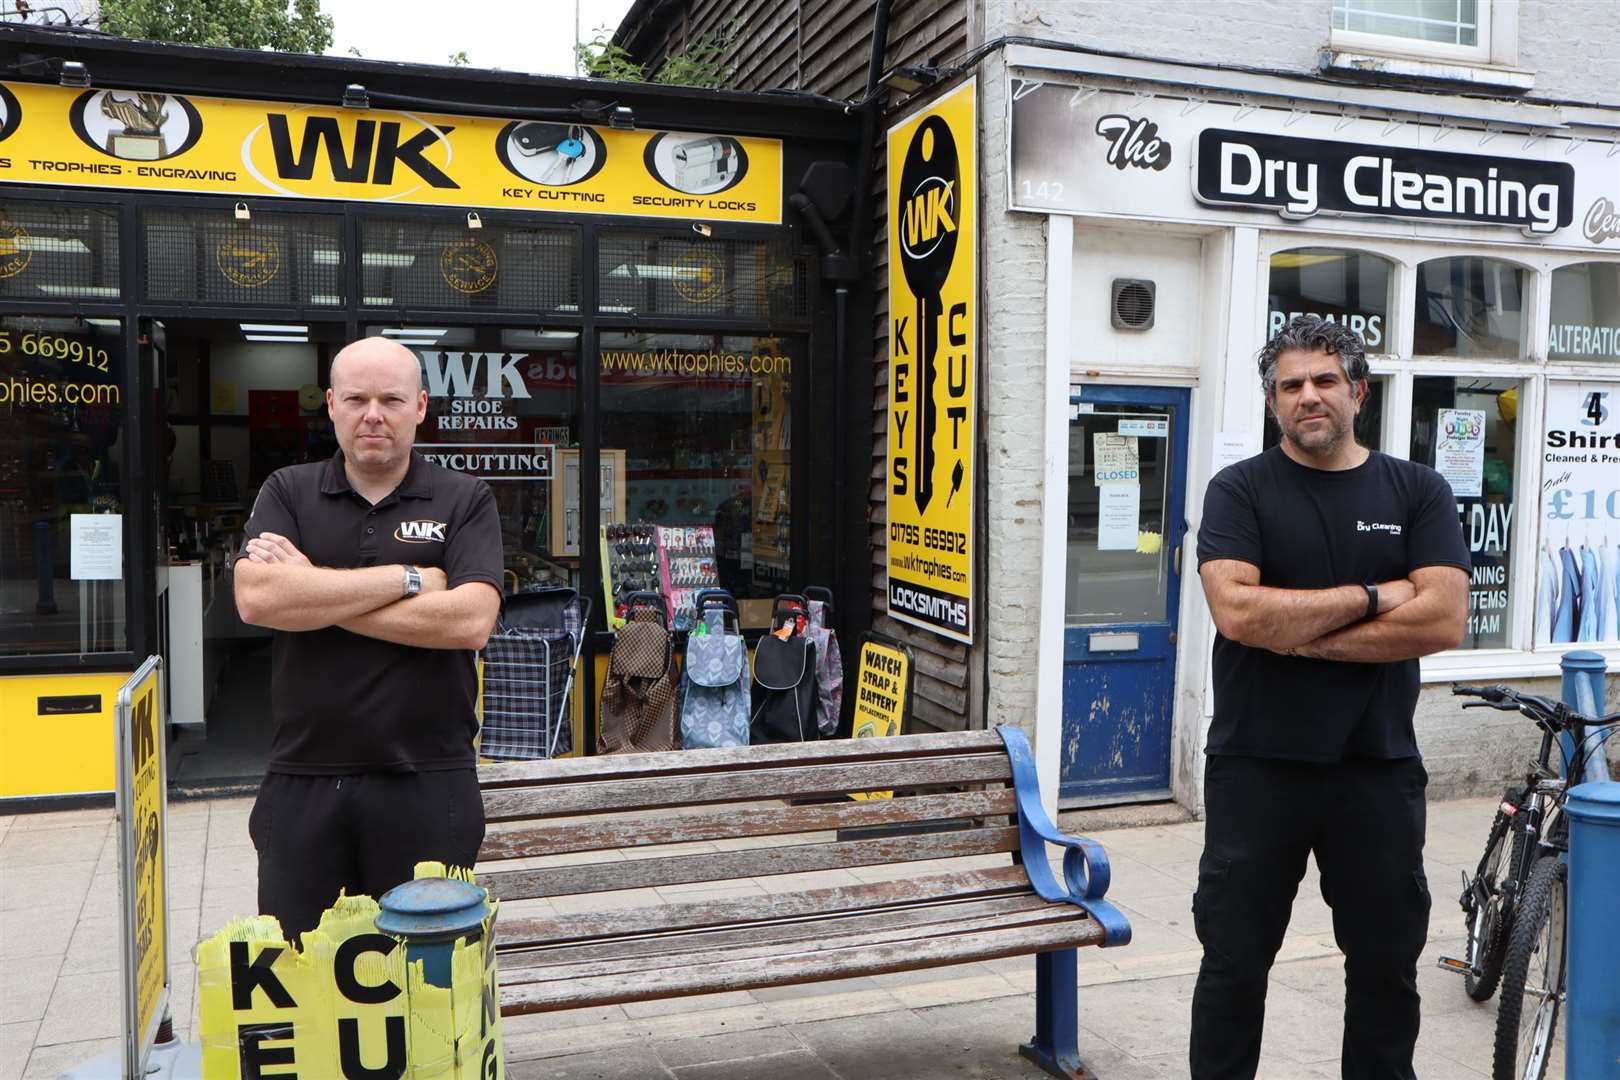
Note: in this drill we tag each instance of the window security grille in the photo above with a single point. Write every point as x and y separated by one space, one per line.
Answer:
56 251
206 256
409 262
651 274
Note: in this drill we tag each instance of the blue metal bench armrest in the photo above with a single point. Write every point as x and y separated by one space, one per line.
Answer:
1085 864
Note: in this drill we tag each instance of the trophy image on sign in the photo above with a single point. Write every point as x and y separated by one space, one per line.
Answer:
143 117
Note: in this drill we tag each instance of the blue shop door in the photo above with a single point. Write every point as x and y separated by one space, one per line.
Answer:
1127 487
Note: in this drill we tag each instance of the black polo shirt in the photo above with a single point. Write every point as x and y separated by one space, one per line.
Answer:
346 703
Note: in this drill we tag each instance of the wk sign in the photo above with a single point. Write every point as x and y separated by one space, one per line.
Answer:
143 880
933 344
122 139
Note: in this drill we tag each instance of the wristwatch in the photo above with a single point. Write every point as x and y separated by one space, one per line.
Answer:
413 581
1372 601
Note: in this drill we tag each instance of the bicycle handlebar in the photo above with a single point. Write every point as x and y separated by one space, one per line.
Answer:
1554 713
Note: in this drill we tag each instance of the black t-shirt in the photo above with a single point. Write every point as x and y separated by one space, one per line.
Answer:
1314 529
346 703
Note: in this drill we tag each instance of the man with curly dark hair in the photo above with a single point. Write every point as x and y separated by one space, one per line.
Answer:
1329 569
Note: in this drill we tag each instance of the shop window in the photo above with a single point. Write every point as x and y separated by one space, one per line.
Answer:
272 259
1577 595
1469 307
686 275
1369 424
702 425
414 262
57 251
1347 287
1585 321
63 486
1466 429
501 407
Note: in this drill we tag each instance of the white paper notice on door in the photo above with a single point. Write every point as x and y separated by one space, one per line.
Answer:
1119 511
1114 459
96 546
1459 450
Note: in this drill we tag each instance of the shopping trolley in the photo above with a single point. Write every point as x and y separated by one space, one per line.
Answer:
529 666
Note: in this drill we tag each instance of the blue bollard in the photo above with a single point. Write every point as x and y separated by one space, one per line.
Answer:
430 915
1583 691
1592 1047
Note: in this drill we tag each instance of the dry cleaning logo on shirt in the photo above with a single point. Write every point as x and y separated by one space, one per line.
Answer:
1377 526
420 532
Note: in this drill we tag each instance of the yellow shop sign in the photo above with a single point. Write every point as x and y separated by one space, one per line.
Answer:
166 142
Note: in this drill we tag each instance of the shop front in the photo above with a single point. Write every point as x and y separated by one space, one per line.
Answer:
1471 243
619 321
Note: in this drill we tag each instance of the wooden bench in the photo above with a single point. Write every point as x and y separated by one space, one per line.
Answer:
967 804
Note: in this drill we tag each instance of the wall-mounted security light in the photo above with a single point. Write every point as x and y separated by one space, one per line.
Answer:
908 79
621 117
355 97
702 229
242 213
473 220
74 73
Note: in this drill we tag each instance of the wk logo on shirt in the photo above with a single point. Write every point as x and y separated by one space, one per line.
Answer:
370 155
420 532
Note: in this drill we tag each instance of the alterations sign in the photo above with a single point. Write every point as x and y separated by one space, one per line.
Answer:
123 139
142 801
933 343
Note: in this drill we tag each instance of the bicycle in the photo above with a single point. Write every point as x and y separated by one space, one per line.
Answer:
1516 924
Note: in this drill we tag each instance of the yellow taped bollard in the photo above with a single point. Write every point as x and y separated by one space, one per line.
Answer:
349 1004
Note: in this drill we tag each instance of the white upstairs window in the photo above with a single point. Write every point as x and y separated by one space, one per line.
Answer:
1454 30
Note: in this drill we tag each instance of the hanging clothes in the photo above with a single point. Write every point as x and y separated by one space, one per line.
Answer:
1569 591
1547 574
1591 595
1611 605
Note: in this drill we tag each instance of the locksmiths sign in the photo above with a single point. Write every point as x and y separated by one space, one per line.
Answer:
122 139
933 345
142 801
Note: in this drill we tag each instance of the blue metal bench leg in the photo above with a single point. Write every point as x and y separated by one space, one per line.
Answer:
1056 1046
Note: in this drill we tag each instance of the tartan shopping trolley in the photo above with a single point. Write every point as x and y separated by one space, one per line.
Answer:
529 665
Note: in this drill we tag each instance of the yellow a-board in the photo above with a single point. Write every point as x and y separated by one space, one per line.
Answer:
882 692
933 351
142 800
348 1006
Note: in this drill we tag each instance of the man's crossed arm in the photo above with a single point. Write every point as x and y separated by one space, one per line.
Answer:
1425 613
277 586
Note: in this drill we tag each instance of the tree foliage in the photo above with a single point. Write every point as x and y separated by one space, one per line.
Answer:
283 25
703 61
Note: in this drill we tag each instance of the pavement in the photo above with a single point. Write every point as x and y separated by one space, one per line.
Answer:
59 975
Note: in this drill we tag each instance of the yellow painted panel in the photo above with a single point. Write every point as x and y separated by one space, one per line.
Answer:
56 755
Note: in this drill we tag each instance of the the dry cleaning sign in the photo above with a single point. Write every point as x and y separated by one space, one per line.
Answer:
1303 177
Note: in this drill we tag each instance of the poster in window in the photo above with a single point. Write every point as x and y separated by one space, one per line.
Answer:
1459 450
1578 563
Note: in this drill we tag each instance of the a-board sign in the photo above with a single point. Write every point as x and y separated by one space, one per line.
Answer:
347 1004
882 694
142 798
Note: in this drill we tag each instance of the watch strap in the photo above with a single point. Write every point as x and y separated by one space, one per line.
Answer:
413 581
1372 600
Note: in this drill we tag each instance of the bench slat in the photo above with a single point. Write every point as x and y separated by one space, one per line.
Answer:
827 752
758 862
618 832
564 800
586 926
722 940
883 930
783 970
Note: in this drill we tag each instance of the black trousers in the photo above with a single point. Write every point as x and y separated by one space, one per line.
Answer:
364 833
1364 821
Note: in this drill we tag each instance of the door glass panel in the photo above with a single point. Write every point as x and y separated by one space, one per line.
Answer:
1119 488
1465 429
1469 306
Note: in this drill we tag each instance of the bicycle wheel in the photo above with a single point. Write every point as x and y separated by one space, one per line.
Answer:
1489 910
1533 976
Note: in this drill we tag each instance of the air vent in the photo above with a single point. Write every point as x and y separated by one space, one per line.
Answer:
1131 307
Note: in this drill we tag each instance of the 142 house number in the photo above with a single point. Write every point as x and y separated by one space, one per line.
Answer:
1046 189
